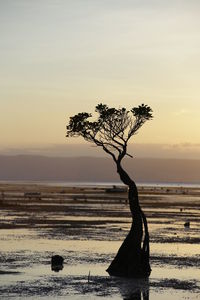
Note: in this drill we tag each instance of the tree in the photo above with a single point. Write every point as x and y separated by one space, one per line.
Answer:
112 130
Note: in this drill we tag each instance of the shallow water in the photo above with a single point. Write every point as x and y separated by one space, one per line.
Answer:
88 237
28 257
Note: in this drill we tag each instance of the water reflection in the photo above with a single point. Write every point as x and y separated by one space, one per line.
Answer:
134 289
138 296
56 268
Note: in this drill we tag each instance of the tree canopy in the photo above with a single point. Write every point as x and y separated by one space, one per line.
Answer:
112 129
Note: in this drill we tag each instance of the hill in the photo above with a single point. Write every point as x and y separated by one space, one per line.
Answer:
97 169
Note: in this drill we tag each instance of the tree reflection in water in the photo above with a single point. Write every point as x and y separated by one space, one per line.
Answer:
134 289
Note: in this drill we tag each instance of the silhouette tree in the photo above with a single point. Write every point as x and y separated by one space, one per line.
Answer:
112 130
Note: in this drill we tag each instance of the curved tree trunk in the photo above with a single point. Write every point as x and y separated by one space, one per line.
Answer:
132 259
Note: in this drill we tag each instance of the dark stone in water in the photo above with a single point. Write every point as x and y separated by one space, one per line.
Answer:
187 224
57 263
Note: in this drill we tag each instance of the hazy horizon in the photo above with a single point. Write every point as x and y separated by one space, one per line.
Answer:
176 151
97 169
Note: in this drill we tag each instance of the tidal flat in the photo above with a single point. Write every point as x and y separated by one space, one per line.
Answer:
86 226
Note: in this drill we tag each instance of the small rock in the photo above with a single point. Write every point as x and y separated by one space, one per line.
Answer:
57 259
187 224
57 263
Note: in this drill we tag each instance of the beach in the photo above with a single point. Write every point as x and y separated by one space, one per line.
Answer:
86 226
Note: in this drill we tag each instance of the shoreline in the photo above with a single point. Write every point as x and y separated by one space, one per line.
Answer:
99 184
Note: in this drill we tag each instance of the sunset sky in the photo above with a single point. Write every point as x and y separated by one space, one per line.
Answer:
60 57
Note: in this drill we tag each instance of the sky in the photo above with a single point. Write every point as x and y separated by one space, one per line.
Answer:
61 57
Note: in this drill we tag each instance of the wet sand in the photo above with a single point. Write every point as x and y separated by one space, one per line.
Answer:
86 225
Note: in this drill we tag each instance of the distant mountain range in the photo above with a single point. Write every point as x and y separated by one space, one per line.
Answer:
97 169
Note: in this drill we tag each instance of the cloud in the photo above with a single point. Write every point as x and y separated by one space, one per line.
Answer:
183 111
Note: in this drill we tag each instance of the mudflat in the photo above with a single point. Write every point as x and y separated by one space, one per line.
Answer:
86 226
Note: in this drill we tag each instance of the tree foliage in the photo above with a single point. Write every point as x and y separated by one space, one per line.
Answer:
112 128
